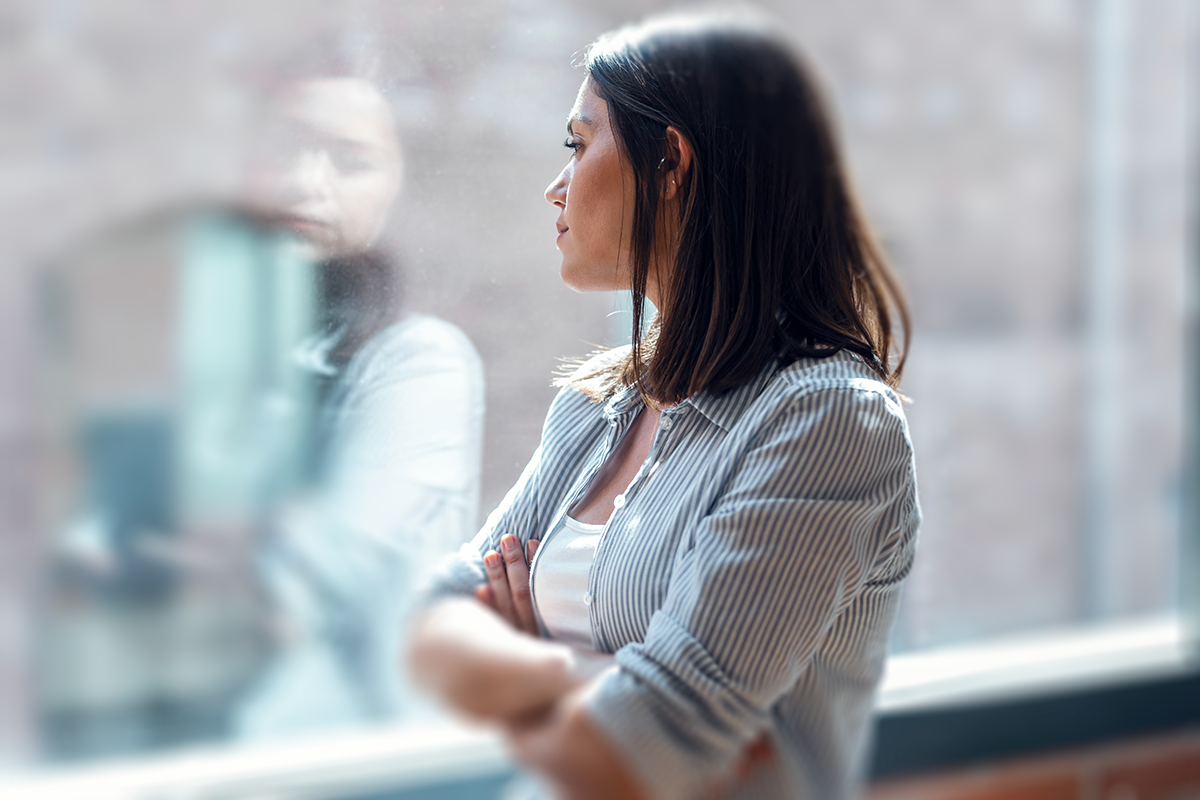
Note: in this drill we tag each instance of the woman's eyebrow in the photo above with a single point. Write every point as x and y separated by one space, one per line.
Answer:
580 118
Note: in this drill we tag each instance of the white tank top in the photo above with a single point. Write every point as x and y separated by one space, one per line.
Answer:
560 582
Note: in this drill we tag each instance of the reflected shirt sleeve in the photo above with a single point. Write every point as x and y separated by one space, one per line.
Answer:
398 492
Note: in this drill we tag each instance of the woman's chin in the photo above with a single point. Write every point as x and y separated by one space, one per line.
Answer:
585 288
571 280
585 282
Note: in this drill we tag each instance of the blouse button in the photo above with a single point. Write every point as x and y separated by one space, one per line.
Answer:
666 423
619 501
587 598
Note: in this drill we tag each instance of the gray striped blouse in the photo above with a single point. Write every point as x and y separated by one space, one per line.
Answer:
747 578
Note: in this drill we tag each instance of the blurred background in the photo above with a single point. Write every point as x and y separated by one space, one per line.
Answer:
279 310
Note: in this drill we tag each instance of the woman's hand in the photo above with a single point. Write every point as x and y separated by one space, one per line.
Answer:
507 590
758 753
565 747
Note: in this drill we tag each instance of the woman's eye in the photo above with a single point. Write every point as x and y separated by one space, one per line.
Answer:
571 144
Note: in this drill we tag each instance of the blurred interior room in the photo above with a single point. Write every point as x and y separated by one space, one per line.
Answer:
246 243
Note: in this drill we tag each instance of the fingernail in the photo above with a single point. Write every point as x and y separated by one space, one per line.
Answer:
509 542
492 559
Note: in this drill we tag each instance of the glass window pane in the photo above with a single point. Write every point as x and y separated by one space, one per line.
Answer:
280 309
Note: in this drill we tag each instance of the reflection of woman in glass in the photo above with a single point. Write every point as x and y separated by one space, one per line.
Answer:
400 406
729 506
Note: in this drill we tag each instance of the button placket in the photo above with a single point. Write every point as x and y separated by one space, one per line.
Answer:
617 426
650 466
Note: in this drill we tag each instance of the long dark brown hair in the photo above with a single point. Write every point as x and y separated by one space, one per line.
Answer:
359 295
773 258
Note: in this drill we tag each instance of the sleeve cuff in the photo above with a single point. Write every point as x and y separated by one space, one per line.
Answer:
673 716
457 575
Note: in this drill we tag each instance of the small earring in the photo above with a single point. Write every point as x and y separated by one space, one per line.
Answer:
661 163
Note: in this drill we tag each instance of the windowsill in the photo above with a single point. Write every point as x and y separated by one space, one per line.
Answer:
326 766
1034 665
348 764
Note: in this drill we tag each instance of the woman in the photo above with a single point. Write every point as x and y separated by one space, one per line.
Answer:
395 450
729 505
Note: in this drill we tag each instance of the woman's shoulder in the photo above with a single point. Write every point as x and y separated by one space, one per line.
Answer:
840 390
420 336
421 332
837 413
417 344
843 373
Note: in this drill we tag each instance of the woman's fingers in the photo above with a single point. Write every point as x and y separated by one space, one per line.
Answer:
518 583
502 596
507 590
757 753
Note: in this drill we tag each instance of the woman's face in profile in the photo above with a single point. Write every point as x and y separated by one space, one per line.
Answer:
595 196
336 167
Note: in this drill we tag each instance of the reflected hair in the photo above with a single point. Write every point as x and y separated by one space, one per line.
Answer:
773 256
359 295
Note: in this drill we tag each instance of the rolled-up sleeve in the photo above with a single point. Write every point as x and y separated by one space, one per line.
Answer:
815 501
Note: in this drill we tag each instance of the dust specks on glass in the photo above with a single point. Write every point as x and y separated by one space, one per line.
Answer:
259 265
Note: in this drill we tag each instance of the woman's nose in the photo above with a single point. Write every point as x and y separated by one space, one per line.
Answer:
310 175
556 192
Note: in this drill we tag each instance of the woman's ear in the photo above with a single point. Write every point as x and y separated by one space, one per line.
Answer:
677 164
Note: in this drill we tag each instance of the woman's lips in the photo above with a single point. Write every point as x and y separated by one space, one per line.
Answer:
561 230
305 225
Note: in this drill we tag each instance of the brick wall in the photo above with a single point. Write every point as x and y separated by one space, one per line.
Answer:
1163 768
